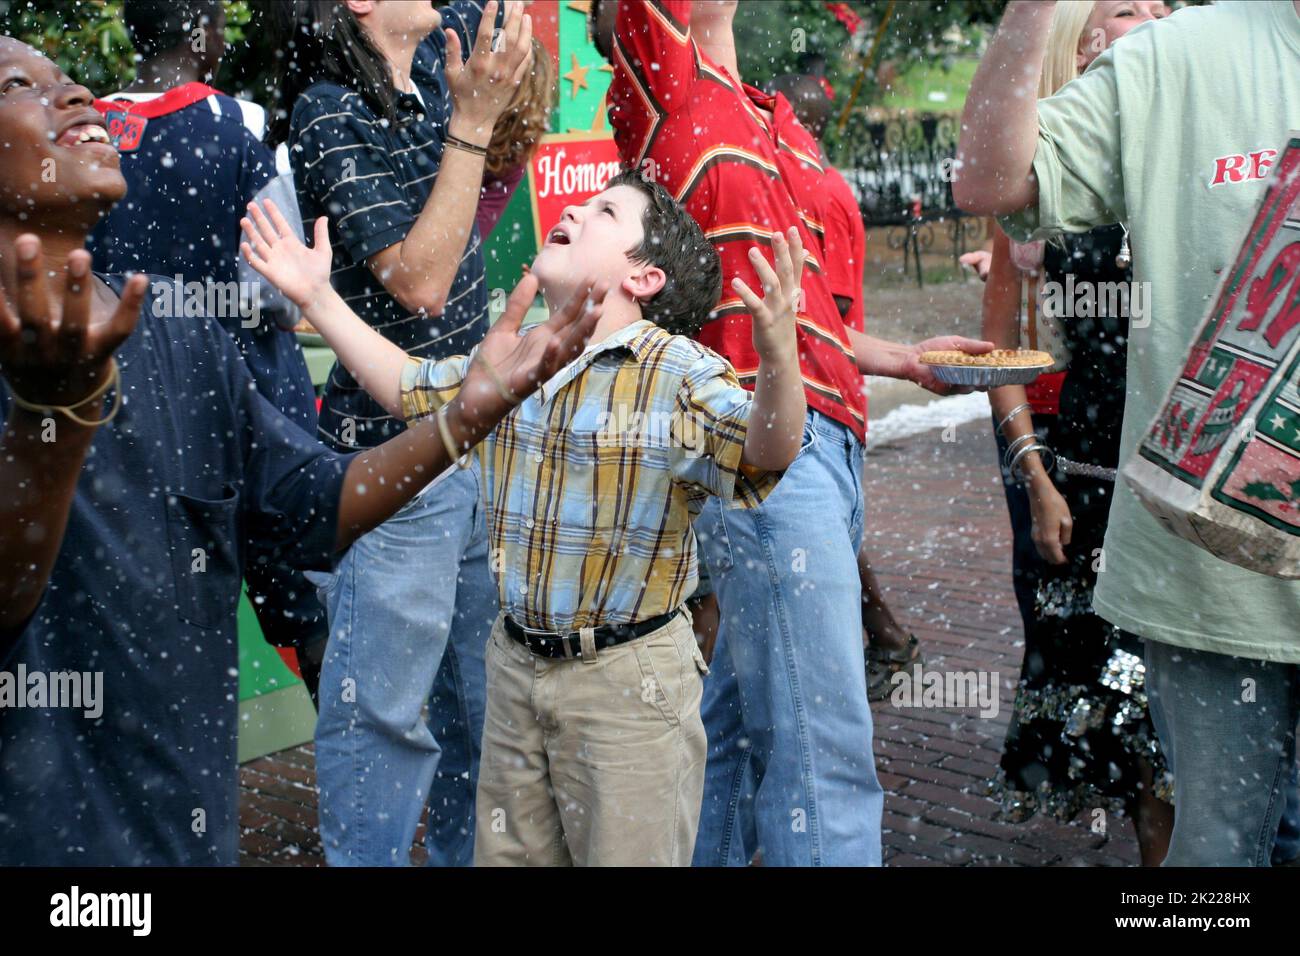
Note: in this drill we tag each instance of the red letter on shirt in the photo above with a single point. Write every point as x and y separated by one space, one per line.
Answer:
1229 169
1261 162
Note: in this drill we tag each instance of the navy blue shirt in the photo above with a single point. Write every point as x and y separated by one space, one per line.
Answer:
145 591
192 163
372 181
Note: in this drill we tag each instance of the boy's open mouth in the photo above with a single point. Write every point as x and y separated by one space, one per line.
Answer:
558 236
82 134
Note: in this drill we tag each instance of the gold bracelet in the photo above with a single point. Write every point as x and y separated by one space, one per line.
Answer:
504 392
114 378
462 461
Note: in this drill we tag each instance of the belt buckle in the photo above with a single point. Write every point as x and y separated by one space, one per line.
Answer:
547 636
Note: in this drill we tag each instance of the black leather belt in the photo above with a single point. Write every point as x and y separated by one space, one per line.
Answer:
564 646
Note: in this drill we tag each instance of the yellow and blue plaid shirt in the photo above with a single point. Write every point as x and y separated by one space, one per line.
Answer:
592 482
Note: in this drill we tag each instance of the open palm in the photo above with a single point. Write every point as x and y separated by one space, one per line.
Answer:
508 367
274 250
52 352
774 315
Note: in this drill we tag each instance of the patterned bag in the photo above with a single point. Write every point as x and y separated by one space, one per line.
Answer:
1220 465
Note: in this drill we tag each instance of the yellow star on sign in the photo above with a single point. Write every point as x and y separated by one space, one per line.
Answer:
577 76
599 122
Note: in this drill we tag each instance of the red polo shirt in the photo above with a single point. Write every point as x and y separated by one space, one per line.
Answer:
684 120
846 246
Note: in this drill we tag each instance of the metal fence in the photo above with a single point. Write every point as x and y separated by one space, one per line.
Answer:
900 169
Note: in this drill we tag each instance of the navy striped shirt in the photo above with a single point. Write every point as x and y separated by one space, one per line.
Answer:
372 181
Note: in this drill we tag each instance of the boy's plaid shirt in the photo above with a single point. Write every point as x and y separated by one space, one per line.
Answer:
592 482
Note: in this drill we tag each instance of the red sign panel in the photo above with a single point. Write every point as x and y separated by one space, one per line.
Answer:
568 169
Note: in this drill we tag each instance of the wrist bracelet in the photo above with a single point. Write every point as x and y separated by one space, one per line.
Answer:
1025 451
462 461
457 143
114 378
1030 438
504 392
1012 414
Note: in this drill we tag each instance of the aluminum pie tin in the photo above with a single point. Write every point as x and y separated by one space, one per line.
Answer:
987 376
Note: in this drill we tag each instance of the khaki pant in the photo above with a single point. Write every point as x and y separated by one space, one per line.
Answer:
597 761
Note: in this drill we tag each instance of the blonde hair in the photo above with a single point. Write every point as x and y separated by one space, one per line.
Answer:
1061 64
519 130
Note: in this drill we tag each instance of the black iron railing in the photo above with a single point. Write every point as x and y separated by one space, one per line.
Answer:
900 169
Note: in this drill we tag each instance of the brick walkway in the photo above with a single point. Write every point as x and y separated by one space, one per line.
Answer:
940 545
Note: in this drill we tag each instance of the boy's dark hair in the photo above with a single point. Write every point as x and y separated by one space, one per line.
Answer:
812 107
674 242
156 26
322 40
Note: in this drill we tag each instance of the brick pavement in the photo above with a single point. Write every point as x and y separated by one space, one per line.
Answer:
940 545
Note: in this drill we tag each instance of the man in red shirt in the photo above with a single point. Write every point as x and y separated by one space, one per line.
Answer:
890 648
846 248
790 763
845 238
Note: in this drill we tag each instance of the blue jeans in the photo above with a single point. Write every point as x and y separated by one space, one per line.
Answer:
1231 746
411 606
790 765
1287 847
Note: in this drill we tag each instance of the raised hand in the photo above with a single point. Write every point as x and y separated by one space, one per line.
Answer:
508 367
51 352
482 86
272 248
774 314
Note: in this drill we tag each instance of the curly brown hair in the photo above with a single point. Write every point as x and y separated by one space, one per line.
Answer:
519 130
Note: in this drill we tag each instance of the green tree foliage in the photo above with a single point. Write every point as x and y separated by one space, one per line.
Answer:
782 36
248 68
89 42
774 36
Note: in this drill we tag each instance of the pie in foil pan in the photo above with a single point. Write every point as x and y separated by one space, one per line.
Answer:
990 370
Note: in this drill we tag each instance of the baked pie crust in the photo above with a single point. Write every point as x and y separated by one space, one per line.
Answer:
998 358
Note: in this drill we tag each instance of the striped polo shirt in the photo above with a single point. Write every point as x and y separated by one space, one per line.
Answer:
846 245
372 181
686 122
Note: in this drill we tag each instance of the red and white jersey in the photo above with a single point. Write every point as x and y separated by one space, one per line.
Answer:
683 120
